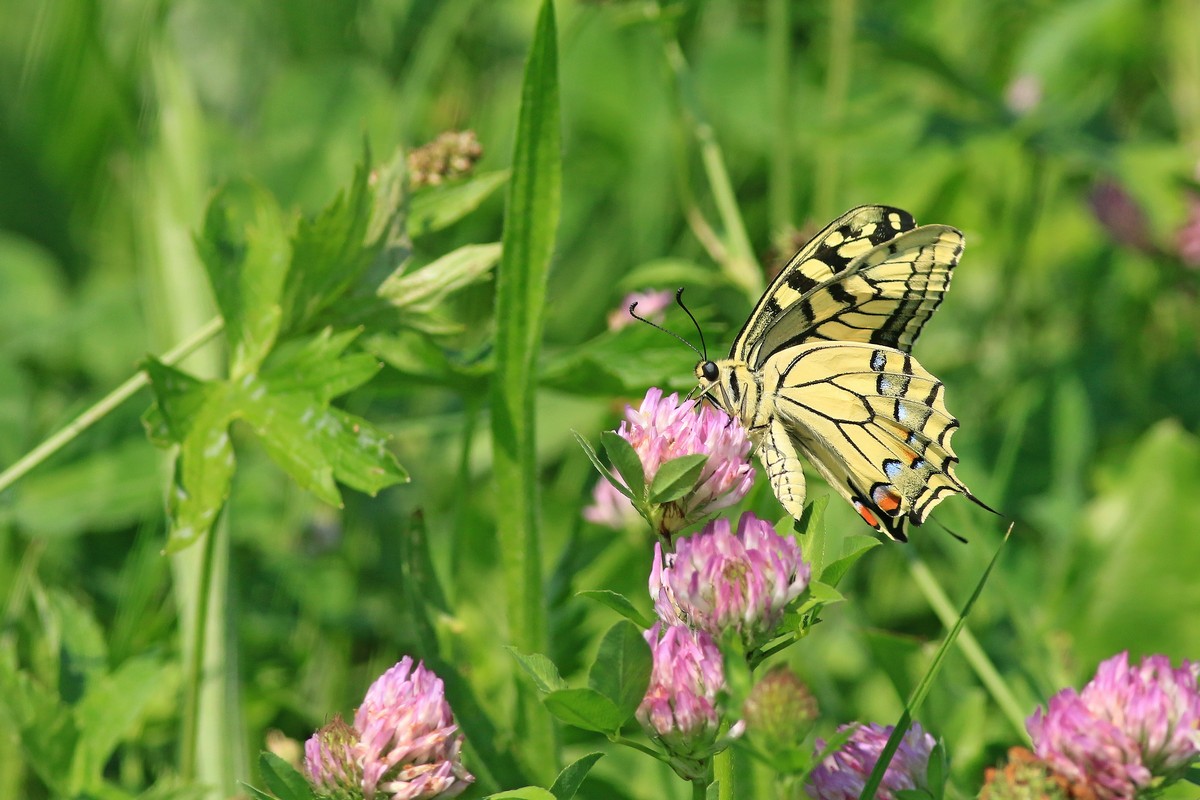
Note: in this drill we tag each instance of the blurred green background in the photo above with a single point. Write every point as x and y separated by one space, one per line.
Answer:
1063 138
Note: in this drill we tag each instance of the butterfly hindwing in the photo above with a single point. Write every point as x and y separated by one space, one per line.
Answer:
873 422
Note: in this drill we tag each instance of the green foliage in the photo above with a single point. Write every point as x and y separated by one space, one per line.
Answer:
210 160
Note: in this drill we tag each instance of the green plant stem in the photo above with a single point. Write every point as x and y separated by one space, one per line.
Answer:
739 265
699 790
723 773
968 644
837 87
779 178
194 677
103 406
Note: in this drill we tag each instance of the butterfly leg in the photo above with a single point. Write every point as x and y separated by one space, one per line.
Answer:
784 470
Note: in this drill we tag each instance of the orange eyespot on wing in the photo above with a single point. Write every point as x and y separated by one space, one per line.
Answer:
867 514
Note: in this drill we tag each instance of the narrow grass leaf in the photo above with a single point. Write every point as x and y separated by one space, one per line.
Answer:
530 221
926 682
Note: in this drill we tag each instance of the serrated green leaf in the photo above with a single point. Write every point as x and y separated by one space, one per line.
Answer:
619 603
854 547
203 470
677 477
359 453
567 784
111 710
621 671
317 364
541 669
438 207
290 427
43 724
330 252
245 249
626 462
428 286
585 708
178 398
282 778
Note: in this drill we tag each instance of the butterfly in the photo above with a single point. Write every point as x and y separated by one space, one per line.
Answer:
822 368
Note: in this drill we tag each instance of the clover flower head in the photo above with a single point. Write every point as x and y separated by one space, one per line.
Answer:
330 764
609 507
780 710
719 580
680 706
409 746
842 774
1090 753
1131 728
1024 777
662 429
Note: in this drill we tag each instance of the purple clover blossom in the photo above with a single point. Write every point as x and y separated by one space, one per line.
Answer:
680 706
609 507
842 774
662 429
409 746
1087 751
718 580
1130 729
329 761
651 304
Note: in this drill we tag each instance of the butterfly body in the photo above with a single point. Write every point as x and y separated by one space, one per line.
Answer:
822 369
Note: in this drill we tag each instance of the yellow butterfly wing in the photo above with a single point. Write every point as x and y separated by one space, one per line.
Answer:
871 276
872 421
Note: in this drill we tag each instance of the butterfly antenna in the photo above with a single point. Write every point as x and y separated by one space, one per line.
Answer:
634 314
686 310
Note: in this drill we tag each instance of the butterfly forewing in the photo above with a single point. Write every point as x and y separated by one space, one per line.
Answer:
821 369
822 260
884 297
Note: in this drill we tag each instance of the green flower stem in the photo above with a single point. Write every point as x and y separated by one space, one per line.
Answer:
723 773
968 644
740 264
837 87
102 407
699 790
